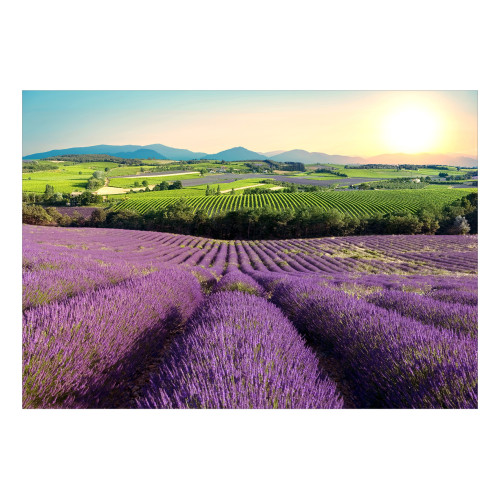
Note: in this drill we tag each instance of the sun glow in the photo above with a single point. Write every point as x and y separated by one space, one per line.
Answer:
412 130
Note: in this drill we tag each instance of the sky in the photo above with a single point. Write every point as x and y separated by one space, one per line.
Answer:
356 123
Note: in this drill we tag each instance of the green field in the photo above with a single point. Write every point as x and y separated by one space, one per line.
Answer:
129 182
187 191
125 170
352 202
65 179
373 173
73 177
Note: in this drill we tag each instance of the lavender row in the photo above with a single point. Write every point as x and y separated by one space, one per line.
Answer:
237 281
466 297
45 285
390 361
239 351
459 318
421 254
79 353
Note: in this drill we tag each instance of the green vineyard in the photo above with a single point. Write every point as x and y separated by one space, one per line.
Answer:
352 202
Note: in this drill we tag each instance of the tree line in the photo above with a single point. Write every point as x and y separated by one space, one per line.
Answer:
459 217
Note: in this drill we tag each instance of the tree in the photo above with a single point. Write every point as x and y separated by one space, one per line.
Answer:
136 184
98 217
35 214
207 191
49 191
53 213
460 226
94 184
88 198
218 190
145 183
176 185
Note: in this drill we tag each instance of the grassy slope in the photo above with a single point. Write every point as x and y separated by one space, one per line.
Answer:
64 180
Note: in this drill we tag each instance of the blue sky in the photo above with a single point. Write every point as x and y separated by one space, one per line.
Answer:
335 122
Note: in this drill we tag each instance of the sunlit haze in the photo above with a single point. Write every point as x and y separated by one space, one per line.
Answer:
364 123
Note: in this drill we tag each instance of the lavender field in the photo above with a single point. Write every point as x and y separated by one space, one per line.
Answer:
133 319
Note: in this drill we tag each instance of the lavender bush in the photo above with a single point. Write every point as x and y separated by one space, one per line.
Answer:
237 281
391 361
459 318
77 352
239 351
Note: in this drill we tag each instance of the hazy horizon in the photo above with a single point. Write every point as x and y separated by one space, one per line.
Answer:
352 123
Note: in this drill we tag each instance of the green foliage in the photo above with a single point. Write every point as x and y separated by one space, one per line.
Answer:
94 183
49 191
98 217
267 222
35 166
35 214
355 203
88 198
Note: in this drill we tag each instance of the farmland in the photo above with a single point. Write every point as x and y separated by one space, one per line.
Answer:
65 179
374 173
129 182
138 319
352 202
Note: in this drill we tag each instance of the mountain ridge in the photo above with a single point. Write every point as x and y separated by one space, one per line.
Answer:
162 152
238 153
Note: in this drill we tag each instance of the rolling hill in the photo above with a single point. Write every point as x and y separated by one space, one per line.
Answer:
236 154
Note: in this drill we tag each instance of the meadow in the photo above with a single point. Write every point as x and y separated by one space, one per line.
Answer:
65 179
136 319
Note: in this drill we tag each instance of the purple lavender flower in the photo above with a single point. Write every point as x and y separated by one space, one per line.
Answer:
239 351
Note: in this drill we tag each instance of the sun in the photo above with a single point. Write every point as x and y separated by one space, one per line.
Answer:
411 130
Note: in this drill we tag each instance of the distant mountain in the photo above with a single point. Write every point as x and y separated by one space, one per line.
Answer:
157 151
161 152
86 150
141 154
452 160
273 153
174 153
300 155
235 154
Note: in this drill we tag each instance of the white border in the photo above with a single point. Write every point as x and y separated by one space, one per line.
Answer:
259 45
